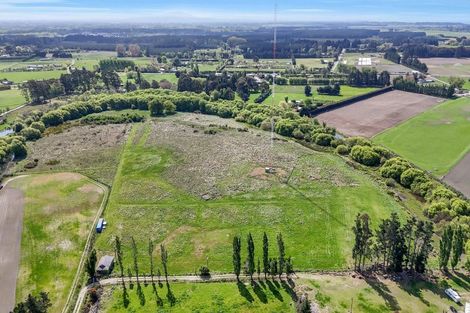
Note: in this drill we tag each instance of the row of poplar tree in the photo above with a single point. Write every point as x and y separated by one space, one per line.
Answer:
270 266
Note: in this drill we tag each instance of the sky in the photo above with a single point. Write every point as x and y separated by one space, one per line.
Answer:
235 11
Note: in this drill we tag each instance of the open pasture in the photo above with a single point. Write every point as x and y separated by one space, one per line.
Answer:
192 182
10 99
435 140
205 298
298 93
59 210
372 116
374 60
20 77
448 66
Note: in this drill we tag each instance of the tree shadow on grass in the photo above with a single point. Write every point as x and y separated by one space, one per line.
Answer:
460 279
384 292
244 292
140 294
260 292
415 288
289 290
274 288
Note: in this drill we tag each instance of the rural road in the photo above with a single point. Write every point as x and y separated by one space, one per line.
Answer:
187 278
11 222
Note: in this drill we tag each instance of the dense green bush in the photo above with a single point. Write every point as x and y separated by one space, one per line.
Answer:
394 167
365 155
30 133
408 177
324 139
342 149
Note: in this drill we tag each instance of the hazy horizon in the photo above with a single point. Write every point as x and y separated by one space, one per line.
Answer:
184 11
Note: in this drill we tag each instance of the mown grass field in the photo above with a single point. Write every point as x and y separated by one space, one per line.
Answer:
298 93
170 166
338 293
269 297
10 99
434 140
19 77
59 211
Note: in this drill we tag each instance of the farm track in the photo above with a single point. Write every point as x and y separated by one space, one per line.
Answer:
88 244
216 278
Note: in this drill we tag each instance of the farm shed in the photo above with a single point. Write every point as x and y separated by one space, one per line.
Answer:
105 265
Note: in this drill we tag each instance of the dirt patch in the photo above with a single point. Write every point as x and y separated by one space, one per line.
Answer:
272 173
372 116
459 176
448 66
11 222
61 177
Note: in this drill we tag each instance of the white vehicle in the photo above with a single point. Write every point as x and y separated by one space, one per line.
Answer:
453 295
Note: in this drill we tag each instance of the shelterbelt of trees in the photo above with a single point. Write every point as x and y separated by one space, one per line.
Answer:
441 202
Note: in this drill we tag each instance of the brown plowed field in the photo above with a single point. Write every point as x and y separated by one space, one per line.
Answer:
459 176
369 117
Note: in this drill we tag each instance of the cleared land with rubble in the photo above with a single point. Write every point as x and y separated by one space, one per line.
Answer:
374 115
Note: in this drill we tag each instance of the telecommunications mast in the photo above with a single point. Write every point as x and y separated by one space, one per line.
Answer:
274 74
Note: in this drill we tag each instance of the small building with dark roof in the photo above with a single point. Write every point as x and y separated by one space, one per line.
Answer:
105 265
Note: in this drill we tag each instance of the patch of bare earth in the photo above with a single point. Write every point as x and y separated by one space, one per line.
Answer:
372 116
459 176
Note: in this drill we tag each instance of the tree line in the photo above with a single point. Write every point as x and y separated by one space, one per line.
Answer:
393 246
437 90
268 266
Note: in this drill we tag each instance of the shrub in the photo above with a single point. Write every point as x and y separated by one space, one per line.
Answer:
18 148
324 139
441 194
53 118
394 167
39 126
342 149
383 152
408 177
170 107
460 206
421 187
298 134
357 141
204 271
31 133
365 155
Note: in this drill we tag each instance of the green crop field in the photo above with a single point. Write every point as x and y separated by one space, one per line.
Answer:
19 77
158 77
205 298
10 99
297 93
434 140
59 210
193 190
